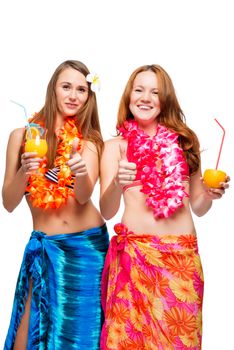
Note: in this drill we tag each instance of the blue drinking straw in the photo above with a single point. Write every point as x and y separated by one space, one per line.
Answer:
25 113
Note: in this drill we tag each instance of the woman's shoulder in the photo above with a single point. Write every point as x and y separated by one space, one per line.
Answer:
17 135
88 146
17 132
114 142
15 141
112 147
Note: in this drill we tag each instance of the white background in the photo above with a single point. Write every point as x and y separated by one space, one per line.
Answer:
192 40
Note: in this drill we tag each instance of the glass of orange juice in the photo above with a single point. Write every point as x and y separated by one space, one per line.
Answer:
36 140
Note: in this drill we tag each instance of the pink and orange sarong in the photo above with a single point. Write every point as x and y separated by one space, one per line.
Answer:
152 291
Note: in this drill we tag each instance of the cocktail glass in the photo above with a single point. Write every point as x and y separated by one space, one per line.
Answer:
213 177
36 140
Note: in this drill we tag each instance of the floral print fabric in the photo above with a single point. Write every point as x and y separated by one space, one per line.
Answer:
152 290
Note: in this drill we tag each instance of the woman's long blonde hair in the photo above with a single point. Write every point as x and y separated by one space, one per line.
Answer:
87 121
170 115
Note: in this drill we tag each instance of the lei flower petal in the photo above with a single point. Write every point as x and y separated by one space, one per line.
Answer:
161 164
47 194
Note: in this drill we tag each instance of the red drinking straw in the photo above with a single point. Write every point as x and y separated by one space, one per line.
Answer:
221 142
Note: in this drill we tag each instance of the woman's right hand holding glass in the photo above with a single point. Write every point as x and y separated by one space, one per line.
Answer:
30 162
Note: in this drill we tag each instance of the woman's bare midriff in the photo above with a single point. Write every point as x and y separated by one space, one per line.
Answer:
139 218
69 218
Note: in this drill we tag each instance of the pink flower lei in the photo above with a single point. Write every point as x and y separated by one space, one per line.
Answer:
161 167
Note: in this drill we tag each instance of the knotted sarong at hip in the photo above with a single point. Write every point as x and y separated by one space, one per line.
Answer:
152 290
65 271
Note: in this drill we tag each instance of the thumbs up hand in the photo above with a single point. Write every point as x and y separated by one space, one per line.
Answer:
76 163
127 170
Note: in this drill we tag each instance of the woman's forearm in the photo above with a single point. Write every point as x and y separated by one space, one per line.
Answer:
13 192
110 200
202 204
83 189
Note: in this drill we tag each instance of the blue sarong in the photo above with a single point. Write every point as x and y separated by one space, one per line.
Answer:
65 270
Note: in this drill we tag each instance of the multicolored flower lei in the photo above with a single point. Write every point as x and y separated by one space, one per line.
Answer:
160 164
47 194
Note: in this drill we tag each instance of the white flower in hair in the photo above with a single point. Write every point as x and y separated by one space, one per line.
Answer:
93 78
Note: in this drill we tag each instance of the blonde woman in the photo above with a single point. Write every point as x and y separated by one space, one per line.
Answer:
57 299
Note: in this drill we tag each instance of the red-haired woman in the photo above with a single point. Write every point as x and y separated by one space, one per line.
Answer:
152 285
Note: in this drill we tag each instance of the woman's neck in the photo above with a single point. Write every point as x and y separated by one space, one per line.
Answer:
149 129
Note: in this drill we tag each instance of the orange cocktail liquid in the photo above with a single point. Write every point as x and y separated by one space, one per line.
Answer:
36 145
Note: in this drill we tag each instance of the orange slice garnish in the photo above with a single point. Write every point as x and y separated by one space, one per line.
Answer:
32 132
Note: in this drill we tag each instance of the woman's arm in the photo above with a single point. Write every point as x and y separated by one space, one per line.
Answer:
115 173
86 169
201 197
16 174
111 191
